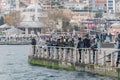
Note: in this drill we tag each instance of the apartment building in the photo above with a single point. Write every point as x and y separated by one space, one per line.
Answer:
98 5
117 7
46 5
110 6
74 6
78 17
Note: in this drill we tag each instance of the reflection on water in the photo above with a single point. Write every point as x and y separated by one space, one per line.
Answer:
14 66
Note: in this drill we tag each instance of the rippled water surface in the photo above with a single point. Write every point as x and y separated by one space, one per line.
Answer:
14 66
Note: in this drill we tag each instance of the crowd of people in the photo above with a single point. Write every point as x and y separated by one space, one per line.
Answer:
77 42
84 42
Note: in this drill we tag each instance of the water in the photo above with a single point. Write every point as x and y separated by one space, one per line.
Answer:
14 66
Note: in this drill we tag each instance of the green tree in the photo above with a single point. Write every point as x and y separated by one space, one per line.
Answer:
85 8
98 15
76 27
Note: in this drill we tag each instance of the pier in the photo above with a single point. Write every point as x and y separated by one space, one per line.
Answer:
102 62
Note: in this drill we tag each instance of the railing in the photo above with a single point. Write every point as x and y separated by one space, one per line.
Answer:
106 57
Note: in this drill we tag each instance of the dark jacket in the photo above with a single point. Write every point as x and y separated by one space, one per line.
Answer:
33 41
70 44
80 44
86 42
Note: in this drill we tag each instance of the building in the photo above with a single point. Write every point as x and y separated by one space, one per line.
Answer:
46 5
74 1
74 6
118 7
78 17
30 24
98 5
110 6
3 6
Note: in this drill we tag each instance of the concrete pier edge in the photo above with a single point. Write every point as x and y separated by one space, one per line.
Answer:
92 68
50 64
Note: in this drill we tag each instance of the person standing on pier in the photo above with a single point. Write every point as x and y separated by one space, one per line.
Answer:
34 45
86 42
94 47
80 46
118 56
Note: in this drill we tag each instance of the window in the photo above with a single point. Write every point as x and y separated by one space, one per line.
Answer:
32 10
110 1
104 4
110 4
81 14
110 8
105 11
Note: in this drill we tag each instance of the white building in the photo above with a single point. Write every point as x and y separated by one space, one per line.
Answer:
111 6
74 6
30 23
118 7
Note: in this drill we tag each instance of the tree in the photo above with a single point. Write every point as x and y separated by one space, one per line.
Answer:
98 15
57 4
44 20
86 8
54 15
14 18
61 14
76 27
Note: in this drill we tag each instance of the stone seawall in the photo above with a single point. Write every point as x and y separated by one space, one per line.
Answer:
92 68
50 63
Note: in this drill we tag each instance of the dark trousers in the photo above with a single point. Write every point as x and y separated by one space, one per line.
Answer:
94 55
118 59
34 47
79 54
